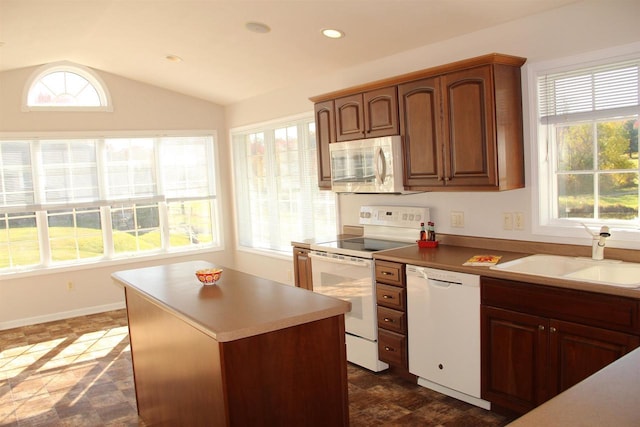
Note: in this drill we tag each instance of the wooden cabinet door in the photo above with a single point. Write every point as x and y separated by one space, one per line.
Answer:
302 268
514 358
381 112
578 351
470 157
420 118
349 118
325 135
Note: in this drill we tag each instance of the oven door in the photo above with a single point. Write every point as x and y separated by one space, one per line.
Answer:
350 279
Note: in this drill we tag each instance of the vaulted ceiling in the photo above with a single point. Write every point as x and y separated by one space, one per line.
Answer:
222 61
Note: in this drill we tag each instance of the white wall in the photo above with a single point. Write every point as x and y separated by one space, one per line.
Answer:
575 29
43 296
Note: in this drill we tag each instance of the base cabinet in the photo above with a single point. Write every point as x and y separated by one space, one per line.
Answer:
528 356
302 268
391 298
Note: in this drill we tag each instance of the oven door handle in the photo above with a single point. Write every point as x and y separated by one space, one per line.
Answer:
335 260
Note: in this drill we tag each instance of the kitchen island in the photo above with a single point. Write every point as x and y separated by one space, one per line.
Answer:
246 351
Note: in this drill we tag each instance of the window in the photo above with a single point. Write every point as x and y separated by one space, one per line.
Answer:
66 86
588 119
276 180
75 199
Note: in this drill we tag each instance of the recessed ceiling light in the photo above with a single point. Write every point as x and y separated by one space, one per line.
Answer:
257 27
332 33
173 58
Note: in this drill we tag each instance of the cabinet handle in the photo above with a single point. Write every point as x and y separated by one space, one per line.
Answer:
386 273
541 327
386 319
553 329
388 348
387 297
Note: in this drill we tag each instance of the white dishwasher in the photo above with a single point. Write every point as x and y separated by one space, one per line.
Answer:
443 315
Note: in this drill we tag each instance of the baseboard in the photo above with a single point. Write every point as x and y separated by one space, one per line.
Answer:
61 315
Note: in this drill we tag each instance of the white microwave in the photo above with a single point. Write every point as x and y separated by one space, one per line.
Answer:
371 165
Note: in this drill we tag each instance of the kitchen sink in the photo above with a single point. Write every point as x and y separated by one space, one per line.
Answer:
606 272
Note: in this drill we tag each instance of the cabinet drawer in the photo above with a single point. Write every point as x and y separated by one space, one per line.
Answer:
392 320
392 348
390 296
588 308
390 272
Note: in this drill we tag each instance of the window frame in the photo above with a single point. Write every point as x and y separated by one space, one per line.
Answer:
257 128
66 66
542 195
110 255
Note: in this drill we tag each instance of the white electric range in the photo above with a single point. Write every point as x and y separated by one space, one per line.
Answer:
345 269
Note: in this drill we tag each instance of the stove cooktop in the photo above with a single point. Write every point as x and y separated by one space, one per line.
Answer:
359 246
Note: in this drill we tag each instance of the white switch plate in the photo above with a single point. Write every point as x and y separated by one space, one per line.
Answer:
457 219
518 221
507 220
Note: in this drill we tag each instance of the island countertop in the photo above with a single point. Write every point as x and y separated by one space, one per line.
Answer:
238 306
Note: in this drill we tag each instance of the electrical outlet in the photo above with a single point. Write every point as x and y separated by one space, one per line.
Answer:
518 221
457 219
507 220
69 286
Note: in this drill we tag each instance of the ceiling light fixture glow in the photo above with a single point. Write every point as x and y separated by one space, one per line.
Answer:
173 58
332 33
257 27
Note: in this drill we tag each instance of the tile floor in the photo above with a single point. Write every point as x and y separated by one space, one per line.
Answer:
77 372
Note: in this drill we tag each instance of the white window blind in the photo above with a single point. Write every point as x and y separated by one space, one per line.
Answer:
186 169
69 172
277 193
613 87
16 177
130 168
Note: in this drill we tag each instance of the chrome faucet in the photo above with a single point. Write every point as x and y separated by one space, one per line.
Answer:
599 242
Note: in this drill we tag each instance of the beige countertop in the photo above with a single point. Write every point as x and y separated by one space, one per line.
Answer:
610 397
238 306
451 257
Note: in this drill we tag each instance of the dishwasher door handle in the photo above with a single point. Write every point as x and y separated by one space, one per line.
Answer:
441 283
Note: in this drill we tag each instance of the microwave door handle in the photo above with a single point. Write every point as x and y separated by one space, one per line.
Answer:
380 166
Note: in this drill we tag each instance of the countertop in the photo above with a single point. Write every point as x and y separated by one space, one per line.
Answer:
238 306
607 398
450 257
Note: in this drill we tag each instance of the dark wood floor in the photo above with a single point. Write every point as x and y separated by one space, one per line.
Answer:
77 372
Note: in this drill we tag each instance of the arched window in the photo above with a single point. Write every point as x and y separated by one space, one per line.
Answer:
66 86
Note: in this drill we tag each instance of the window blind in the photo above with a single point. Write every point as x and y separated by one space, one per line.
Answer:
78 173
16 178
614 87
276 186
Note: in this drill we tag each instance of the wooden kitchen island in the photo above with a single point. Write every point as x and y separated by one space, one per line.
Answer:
244 352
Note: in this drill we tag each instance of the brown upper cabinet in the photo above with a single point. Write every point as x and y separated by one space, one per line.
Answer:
461 123
463 130
325 135
367 115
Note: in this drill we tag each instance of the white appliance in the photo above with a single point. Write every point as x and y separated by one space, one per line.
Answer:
345 269
371 165
443 317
